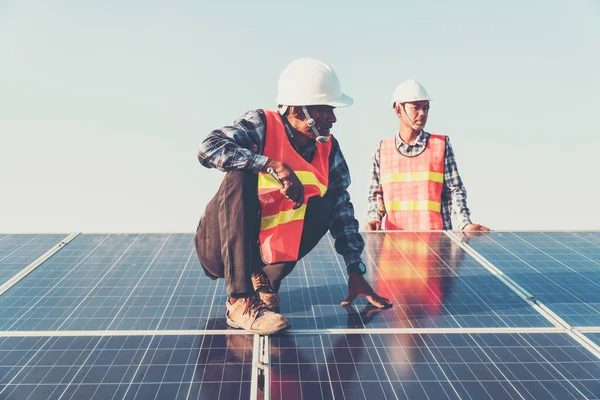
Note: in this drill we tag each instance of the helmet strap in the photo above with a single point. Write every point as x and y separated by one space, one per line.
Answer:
415 128
311 123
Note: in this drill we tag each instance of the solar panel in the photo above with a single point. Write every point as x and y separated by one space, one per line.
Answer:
126 367
20 250
456 330
432 366
560 269
101 282
431 280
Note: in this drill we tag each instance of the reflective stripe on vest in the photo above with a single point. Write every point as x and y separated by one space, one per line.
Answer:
280 225
412 186
413 205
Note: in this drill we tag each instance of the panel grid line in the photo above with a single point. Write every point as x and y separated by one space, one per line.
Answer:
98 283
140 279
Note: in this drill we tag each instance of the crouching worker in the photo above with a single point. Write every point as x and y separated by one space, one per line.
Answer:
285 186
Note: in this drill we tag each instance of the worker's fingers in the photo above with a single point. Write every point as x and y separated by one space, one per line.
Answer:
348 300
378 301
484 228
373 226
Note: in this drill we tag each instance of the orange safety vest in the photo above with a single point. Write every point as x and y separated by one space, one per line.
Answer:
412 186
281 225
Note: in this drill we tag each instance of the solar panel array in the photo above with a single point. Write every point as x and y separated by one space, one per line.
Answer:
503 315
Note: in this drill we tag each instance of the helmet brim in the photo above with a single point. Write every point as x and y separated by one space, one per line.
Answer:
343 101
394 102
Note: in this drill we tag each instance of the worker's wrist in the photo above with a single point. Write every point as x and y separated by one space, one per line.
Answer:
356 268
373 217
259 163
352 257
463 224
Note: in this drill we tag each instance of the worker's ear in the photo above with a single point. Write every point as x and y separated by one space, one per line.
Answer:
398 109
296 112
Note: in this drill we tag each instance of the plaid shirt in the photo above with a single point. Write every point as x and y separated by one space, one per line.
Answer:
454 194
240 147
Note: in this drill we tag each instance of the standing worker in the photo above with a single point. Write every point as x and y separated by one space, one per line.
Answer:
285 186
415 182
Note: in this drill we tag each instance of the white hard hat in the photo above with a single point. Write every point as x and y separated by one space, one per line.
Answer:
409 91
308 82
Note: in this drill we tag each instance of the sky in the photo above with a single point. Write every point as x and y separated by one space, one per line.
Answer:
103 104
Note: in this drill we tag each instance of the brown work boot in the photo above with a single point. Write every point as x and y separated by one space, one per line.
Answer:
262 287
253 315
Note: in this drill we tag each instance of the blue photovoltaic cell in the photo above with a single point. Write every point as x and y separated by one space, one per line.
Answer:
432 366
126 367
593 237
595 337
560 269
431 281
17 251
108 282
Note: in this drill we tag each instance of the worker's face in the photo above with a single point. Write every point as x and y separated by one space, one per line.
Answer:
323 116
417 111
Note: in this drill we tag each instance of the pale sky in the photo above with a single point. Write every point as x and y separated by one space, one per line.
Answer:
103 104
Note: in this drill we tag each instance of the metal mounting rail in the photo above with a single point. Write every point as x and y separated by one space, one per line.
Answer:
25 271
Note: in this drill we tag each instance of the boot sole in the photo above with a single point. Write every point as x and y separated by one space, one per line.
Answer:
263 332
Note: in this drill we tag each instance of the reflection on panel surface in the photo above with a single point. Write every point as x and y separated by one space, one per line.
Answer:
431 281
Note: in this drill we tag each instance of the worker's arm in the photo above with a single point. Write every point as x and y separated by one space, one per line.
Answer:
456 195
344 229
238 146
375 209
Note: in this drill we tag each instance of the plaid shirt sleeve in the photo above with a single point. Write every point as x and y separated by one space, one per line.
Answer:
454 194
344 228
375 209
236 147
